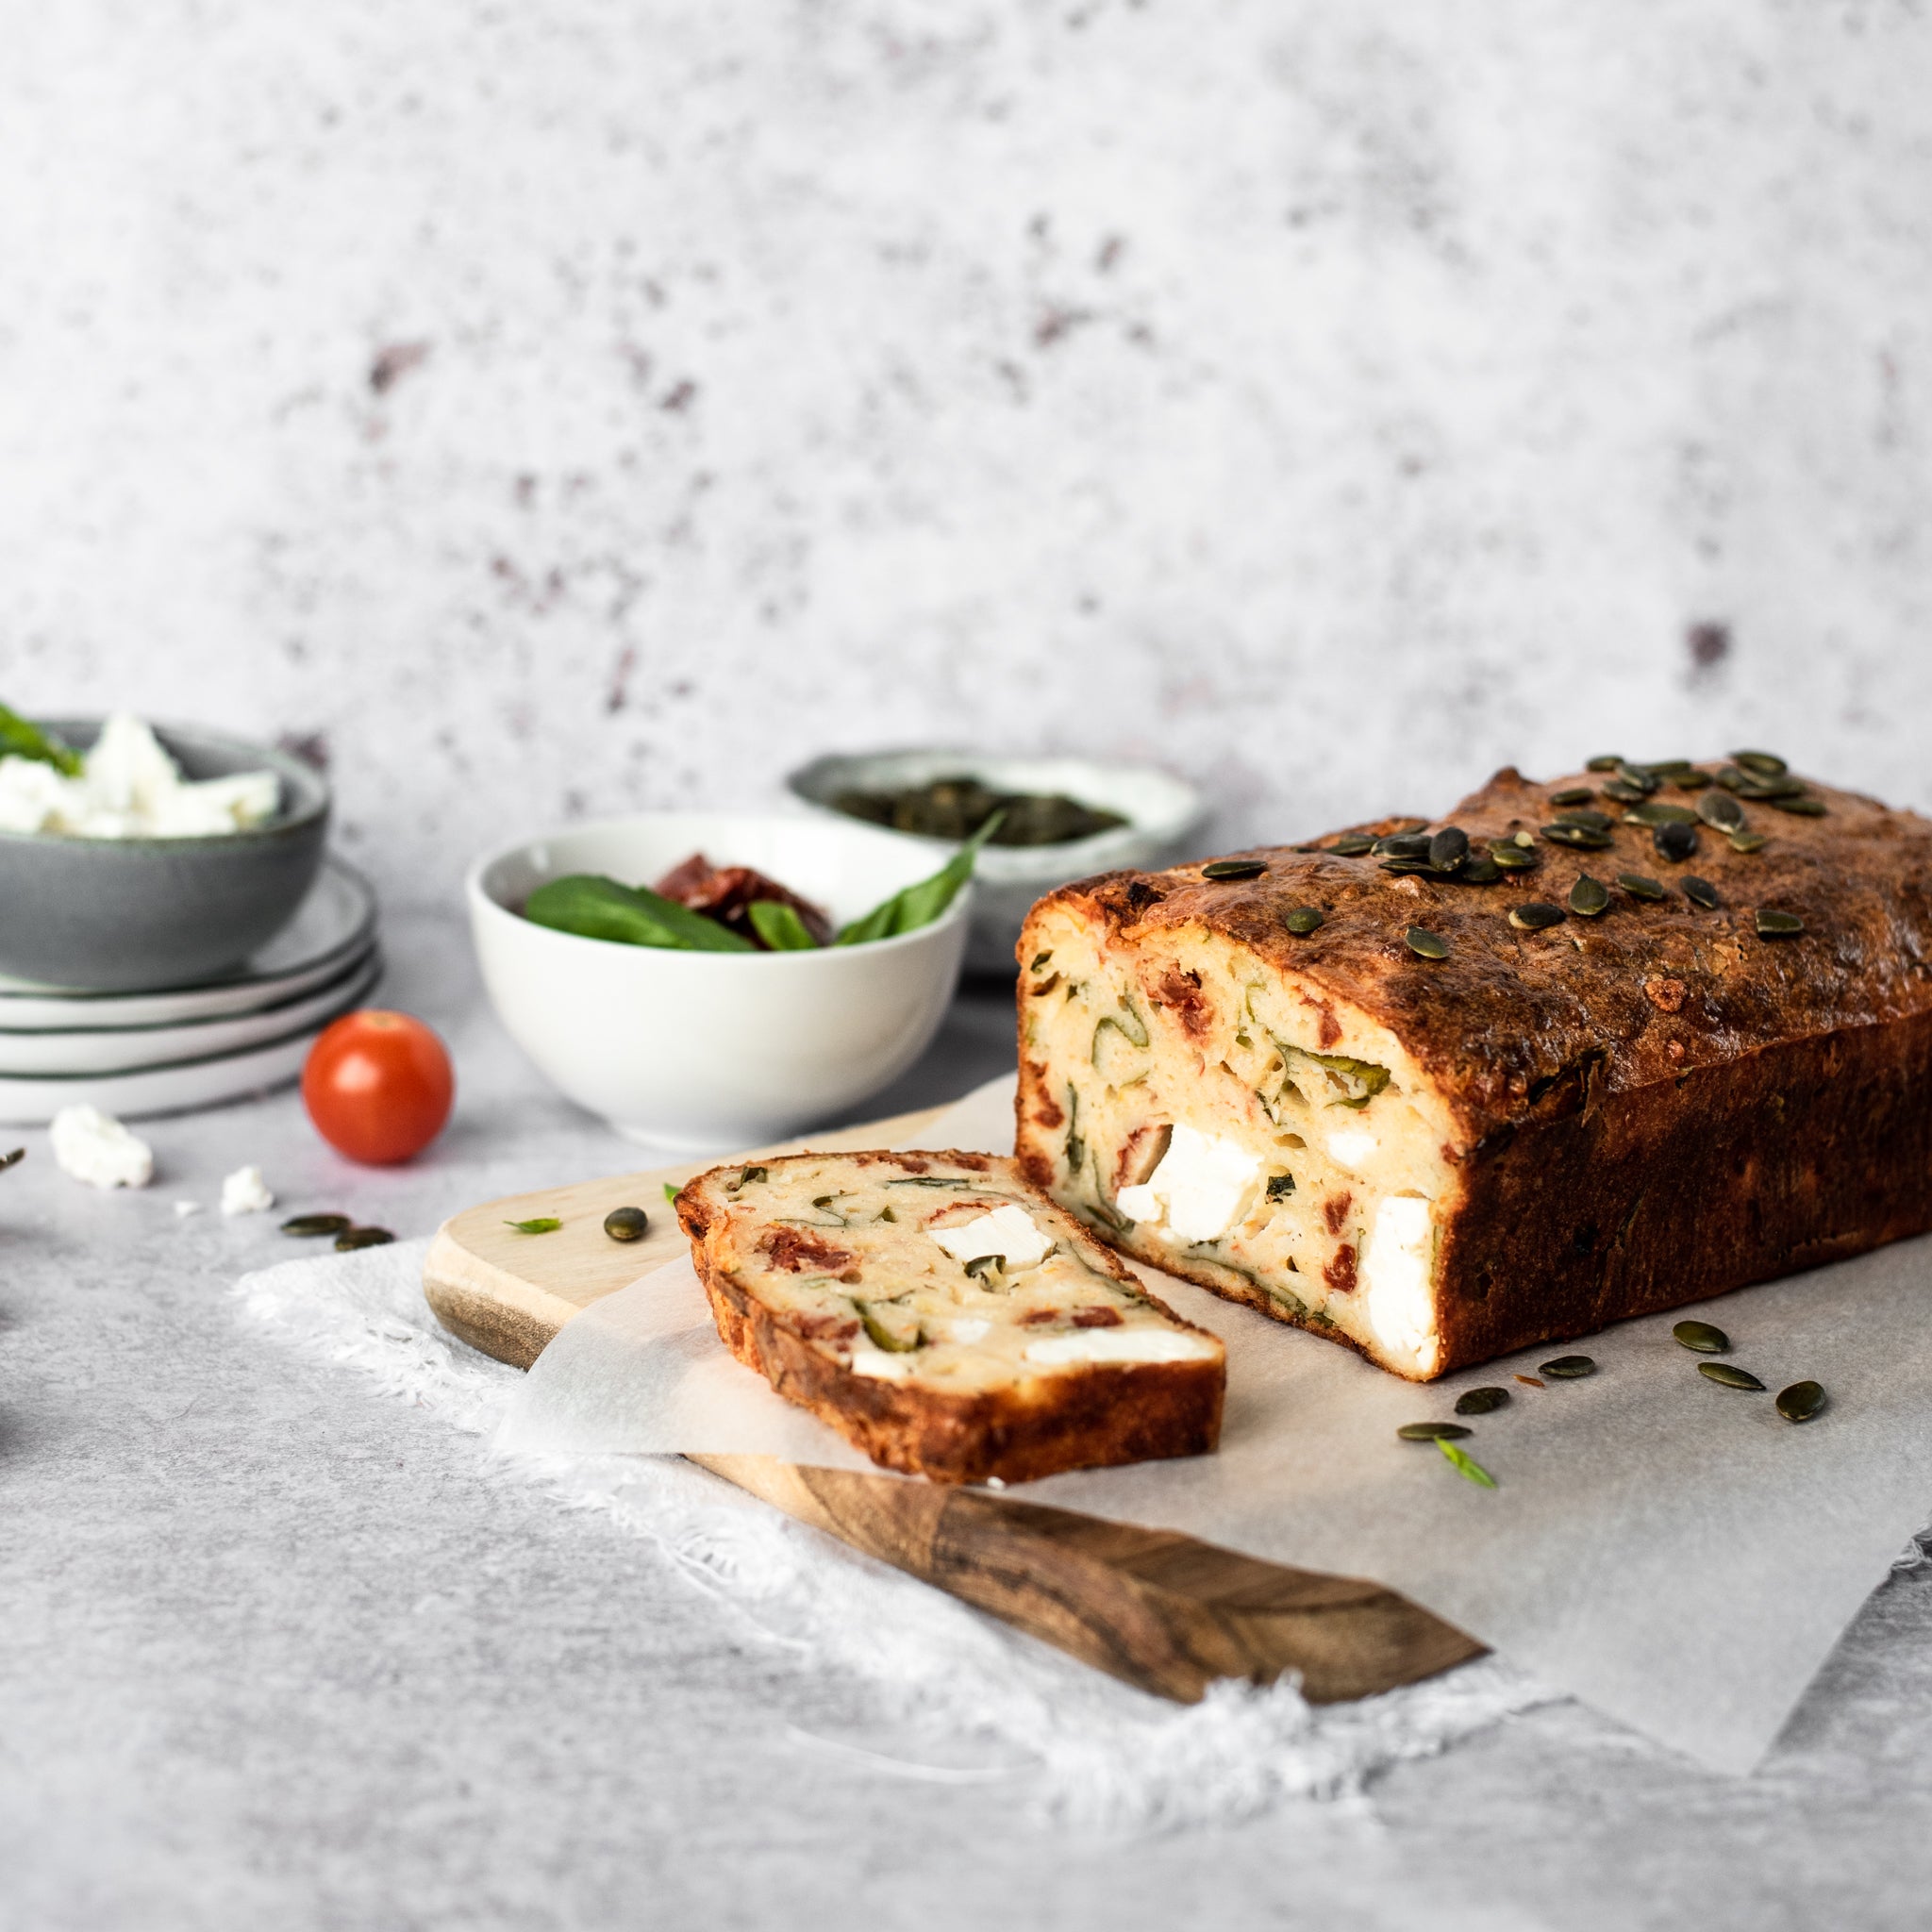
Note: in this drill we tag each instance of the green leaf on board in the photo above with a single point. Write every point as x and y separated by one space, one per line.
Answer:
1464 1464
543 1223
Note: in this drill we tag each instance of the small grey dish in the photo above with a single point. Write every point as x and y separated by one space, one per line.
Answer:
1166 818
135 915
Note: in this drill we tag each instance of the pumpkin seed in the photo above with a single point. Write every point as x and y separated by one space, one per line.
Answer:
1667 769
627 1223
1589 898
1800 1402
1281 1186
1731 778
1536 915
1798 807
1590 821
1482 870
1413 869
1573 794
317 1224
1674 842
1720 810
352 1238
1402 845
1465 1465
1702 893
1426 945
1746 841
1644 780
1701 1337
1431 1432
1750 786
1449 848
1578 837
1567 1368
1352 845
1624 792
1659 811
1481 1401
1604 761
1234 869
1513 857
1766 764
1692 780
1302 919
1638 887
1773 924
1729 1375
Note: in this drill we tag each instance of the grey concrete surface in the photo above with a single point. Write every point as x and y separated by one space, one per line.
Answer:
275 1652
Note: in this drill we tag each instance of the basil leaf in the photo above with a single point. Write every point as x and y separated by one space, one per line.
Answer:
1464 1464
918 905
780 927
600 908
543 1224
22 739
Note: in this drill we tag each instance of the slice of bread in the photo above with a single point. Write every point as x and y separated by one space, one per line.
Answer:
946 1318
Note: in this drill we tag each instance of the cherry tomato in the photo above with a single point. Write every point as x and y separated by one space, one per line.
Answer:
378 1086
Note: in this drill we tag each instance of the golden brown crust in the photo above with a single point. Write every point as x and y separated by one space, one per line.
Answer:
1087 1417
1653 1106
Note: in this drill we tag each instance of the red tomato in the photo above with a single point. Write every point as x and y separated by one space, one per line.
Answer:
378 1086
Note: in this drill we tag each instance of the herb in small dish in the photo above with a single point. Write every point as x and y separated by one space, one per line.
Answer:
960 807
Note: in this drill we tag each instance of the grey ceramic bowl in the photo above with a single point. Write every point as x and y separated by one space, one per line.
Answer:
133 915
1166 817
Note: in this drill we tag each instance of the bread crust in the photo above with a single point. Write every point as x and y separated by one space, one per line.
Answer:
1652 1108
1089 1417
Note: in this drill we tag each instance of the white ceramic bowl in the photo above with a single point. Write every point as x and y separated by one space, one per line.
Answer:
1166 817
712 1052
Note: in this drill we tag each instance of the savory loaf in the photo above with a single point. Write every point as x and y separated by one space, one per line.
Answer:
946 1319
1438 1090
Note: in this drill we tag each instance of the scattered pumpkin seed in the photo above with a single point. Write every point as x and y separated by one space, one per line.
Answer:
1579 838
1426 945
1702 893
1352 845
1481 1401
1604 761
1729 1375
352 1238
1536 915
1641 887
1465 1465
1449 848
1589 898
1573 794
1569 1368
1800 1402
1745 842
1660 811
537 1223
1701 1337
1302 919
1773 924
1480 869
1798 807
1766 764
627 1223
1674 842
1513 857
1402 845
304 1224
1234 869
1430 1432
1722 811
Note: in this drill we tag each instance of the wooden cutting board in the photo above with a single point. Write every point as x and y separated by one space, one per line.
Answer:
1160 1610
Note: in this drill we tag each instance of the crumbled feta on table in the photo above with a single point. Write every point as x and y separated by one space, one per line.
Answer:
94 1147
244 1191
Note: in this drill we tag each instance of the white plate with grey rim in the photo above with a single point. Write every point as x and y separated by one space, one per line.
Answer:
334 925
176 1089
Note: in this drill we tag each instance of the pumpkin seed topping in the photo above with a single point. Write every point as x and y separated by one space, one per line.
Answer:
1765 764
1589 897
1402 845
1799 808
1624 792
627 1223
1641 887
1352 845
1722 811
1426 945
1302 919
353 1238
1604 761
1449 848
317 1224
1590 821
1431 1432
1234 869
1481 1401
1645 780
1773 924
1800 1402
1513 857
1573 794
1480 869
1567 1368
1702 893
1692 780
1701 1337
1729 1375
1745 842
1536 915
1579 838
1675 842
1659 811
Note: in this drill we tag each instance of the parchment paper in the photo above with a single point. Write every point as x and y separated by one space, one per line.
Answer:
1672 1551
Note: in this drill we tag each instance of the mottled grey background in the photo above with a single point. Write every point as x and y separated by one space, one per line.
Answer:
552 410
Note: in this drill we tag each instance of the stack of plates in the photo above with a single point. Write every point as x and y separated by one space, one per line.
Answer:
137 1053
